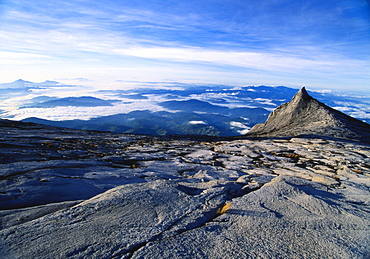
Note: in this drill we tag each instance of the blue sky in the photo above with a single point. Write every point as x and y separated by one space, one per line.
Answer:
320 44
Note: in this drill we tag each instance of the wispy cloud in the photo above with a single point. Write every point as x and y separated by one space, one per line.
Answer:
283 40
253 60
7 58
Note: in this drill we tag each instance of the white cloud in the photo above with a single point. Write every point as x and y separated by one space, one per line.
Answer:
14 58
11 107
243 129
323 91
360 114
197 122
238 124
242 58
262 61
243 132
265 101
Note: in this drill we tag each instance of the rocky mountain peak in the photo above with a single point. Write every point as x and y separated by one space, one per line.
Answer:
301 96
305 115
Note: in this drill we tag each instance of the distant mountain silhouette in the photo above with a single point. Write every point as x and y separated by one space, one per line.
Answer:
83 101
305 115
193 105
17 84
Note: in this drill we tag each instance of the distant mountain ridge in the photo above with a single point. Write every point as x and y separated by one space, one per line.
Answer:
193 105
83 101
305 115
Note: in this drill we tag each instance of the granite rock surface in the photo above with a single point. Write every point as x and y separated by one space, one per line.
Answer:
79 194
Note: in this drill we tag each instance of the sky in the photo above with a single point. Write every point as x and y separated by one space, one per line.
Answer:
110 43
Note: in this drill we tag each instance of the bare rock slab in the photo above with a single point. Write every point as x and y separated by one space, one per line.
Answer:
114 223
287 218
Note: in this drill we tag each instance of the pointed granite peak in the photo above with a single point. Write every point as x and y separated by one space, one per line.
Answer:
306 115
302 91
301 96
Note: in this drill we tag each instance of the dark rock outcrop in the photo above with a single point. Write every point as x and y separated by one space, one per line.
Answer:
304 115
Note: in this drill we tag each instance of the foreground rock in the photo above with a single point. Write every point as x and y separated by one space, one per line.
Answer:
305 115
287 218
78 194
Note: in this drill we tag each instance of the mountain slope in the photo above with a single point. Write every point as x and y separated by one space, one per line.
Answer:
306 115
